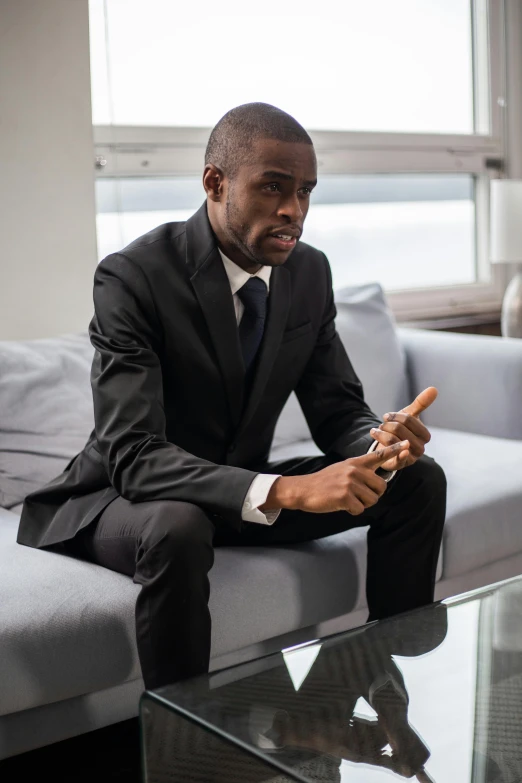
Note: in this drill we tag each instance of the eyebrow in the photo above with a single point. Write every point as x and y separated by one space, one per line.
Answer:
311 183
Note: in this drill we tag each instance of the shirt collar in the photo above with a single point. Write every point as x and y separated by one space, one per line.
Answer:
237 277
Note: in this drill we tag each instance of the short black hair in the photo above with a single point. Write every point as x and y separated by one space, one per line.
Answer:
231 139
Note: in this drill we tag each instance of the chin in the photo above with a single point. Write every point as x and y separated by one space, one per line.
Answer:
275 259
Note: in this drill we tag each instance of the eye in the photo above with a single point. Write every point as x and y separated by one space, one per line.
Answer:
306 191
272 187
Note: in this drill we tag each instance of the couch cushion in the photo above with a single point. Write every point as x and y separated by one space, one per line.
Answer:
366 326
262 592
46 410
484 498
68 625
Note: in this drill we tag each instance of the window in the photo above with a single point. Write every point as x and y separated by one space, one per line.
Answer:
407 231
186 64
400 99
131 206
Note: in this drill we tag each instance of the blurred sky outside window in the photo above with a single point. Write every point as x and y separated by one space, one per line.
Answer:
376 65
406 231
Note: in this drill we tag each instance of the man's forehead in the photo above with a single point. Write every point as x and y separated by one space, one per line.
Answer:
270 155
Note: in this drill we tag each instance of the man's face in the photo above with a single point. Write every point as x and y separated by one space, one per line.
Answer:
265 204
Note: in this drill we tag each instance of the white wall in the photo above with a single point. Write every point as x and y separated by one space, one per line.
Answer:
47 211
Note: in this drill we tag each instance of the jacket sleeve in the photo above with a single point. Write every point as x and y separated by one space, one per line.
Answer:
129 413
331 394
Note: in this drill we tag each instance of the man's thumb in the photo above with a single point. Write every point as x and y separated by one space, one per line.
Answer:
422 401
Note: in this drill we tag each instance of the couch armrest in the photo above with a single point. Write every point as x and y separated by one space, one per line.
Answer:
479 379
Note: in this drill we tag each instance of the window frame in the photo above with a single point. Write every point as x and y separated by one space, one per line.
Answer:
134 151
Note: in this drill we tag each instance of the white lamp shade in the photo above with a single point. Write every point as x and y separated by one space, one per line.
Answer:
506 221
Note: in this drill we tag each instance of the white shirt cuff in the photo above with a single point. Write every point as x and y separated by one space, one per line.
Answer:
387 475
256 496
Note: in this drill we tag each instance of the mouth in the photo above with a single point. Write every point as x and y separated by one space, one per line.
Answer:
284 241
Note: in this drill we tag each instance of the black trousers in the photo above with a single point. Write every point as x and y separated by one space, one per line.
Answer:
168 548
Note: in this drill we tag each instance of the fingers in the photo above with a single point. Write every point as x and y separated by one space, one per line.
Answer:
375 482
413 424
355 507
422 401
398 463
362 496
409 457
406 459
365 494
401 432
386 438
377 457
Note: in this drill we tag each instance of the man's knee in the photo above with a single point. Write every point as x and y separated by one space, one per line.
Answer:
178 529
432 473
427 477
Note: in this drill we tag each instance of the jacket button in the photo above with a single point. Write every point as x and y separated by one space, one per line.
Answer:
231 448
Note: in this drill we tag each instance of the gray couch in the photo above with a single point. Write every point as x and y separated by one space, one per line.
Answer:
68 661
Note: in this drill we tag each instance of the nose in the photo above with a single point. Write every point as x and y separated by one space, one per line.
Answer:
292 209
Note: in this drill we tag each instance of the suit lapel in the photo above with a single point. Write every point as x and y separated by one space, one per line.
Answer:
277 313
210 283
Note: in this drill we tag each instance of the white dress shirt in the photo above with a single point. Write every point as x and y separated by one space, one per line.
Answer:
260 487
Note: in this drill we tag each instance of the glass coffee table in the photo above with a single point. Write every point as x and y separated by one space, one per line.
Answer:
430 695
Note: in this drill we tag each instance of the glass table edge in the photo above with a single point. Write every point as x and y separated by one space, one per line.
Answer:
450 601
216 730
156 695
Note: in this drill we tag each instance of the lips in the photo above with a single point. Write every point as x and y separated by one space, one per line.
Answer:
283 241
286 239
286 232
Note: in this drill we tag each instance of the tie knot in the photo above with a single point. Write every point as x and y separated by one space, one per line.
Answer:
253 295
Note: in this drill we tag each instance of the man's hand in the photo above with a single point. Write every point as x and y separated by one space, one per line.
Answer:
351 485
406 425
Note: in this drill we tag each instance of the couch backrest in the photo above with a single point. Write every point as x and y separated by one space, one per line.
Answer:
366 326
46 411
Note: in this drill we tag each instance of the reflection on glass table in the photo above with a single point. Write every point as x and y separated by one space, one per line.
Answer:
298 713
431 695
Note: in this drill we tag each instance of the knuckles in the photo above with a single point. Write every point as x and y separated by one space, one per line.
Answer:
391 426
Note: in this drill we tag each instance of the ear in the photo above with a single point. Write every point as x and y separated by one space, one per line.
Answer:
213 182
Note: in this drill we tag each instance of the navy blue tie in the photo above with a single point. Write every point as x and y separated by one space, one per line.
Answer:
254 296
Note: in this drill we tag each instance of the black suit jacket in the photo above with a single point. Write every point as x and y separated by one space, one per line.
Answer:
171 420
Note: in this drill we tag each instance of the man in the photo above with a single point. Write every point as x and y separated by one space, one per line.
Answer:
186 402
